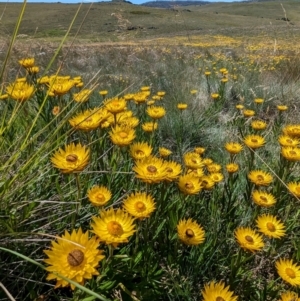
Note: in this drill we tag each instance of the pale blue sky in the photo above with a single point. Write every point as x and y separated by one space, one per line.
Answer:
88 1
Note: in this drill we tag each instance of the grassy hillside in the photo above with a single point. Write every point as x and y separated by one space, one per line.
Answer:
123 21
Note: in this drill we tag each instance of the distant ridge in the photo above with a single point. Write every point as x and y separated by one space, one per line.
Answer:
171 4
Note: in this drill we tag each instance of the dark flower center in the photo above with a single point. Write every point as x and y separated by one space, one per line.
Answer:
152 169
291 273
72 158
249 239
189 233
75 258
220 299
271 227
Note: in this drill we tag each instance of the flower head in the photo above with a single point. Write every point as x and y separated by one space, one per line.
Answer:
156 112
20 91
254 141
285 140
192 160
248 239
173 170
259 100
288 271
190 232
248 113
113 226
122 136
87 120
82 96
260 177
258 125
292 130
139 204
60 85
199 150
182 106
263 199
217 292
73 256
115 105
189 184
140 150
233 147
164 152
289 296
27 62
269 225
99 195
290 153
294 188
232 167
149 127
282 108
73 159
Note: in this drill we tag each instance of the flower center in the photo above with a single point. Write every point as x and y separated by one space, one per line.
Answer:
189 185
249 239
289 141
290 273
254 140
89 119
194 160
292 153
189 233
140 206
140 153
75 258
263 198
169 169
123 134
100 197
152 169
72 158
220 299
271 227
215 177
114 228
260 178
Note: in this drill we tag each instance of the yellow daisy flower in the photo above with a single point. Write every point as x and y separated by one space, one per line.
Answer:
217 292
285 140
258 125
56 110
73 159
282 108
173 170
149 127
139 205
290 153
232 167
121 135
268 225
215 96
233 147
294 188
288 271
214 167
33 70
207 73
239 107
199 150
103 92
193 92
60 85
145 88
254 141
99 195
289 296
207 182
156 112
189 184
161 93
73 256
20 91
151 170
140 97
216 177
190 232
263 199
140 150
260 177
198 173
192 160
259 100
115 105
248 113
86 121
248 239
182 106
151 102
82 96
164 152
27 62
292 130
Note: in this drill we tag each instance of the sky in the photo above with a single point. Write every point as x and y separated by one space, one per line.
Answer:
88 1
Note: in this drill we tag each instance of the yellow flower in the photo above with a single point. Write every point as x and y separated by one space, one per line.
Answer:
103 92
20 91
282 108
285 140
151 170
33 70
239 107
193 92
223 70
3 96
140 150
140 97
232 167
248 239
289 296
173 170
73 256
260 177
290 153
259 100
27 62
254 141
270 226
217 292
131 122
207 182
56 110
86 121
182 106
150 102
115 105
190 232
214 167
189 184
192 160
60 85
207 73
258 125
82 96
113 226
294 188
288 271
263 199
156 112
161 93
139 204
292 130
121 135
248 113
73 159
224 80
145 88
215 95
198 173
199 150
164 152
128 96
99 195
216 177
233 147
149 127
